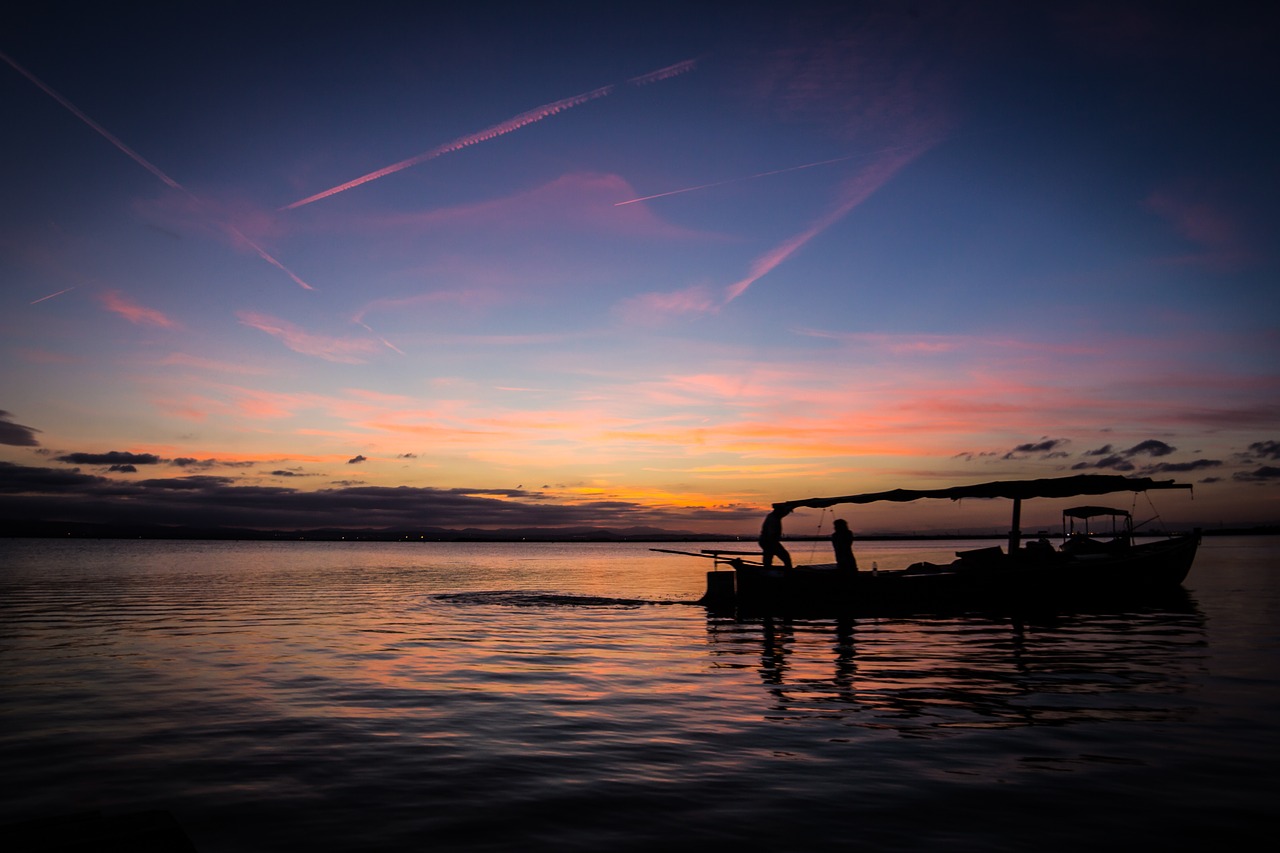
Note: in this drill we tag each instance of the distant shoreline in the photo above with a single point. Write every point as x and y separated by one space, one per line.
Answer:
30 529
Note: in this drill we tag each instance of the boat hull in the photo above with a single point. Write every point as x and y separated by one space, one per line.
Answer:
986 579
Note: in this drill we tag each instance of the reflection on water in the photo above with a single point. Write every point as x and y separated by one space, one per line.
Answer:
922 677
394 697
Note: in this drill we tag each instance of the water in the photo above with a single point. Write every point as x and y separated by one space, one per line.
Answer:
475 697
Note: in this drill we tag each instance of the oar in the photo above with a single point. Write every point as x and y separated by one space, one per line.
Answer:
716 555
685 553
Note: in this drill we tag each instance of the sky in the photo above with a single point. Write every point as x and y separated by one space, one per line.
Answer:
634 265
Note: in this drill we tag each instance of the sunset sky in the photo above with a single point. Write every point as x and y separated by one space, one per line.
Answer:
633 264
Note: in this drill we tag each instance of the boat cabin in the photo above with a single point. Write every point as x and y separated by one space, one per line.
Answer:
1085 529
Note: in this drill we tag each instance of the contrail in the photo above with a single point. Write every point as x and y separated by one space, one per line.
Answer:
664 73
735 180
141 161
369 329
146 164
525 118
853 193
262 252
51 295
501 129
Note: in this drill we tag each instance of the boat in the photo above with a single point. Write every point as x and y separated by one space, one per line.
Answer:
1089 566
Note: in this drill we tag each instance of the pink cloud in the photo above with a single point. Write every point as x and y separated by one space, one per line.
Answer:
117 303
237 222
649 307
472 297
342 350
1206 223
180 359
924 344
584 200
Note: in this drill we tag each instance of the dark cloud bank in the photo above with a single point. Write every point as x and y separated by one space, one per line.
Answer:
206 501
16 434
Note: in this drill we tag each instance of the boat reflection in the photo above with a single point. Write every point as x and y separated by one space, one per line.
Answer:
924 676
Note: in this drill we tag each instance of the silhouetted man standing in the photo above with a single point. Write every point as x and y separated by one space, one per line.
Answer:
771 537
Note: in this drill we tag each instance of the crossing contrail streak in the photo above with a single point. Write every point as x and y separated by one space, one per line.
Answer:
852 194
501 129
141 161
370 330
734 180
664 73
51 295
150 167
262 253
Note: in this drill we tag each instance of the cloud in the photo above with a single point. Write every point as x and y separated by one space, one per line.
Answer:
16 435
192 462
652 307
356 460
1262 450
1181 467
1205 222
1151 447
112 457
194 483
1050 448
20 479
1265 474
1113 462
1120 461
184 360
51 494
586 201
341 350
117 303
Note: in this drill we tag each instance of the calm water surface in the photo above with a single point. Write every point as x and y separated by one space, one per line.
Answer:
368 696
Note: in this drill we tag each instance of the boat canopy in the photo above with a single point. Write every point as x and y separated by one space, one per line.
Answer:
1093 512
1018 490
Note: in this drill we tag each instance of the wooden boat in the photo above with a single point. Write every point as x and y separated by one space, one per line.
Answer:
1086 568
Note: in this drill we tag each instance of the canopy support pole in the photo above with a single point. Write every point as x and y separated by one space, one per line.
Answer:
1015 532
